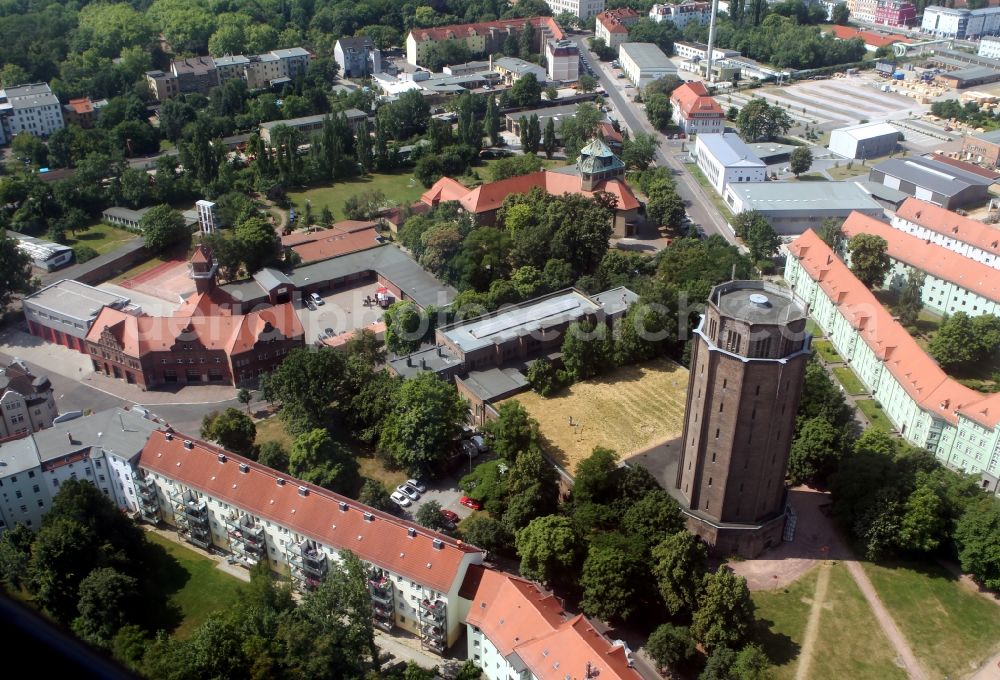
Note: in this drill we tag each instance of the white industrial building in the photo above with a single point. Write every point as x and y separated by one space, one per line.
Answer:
962 24
644 62
694 51
725 159
989 47
683 14
867 140
791 208
579 8
29 108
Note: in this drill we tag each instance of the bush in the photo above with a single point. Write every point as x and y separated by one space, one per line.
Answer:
84 253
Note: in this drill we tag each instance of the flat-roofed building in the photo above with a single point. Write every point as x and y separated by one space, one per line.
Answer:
791 208
682 14
307 125
512 69
29 108
583 9
643 63
64 311
562 61
696 51
982 148
725 159
867 140
358 55
932 181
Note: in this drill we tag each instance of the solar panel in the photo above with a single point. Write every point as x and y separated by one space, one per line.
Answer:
520 317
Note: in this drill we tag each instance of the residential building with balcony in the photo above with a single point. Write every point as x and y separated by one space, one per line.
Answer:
26 401
683 14
481 39
358 57
969 238
895 13
29 108
612 26
583 9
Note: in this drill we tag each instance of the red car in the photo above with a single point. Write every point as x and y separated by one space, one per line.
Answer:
470 503
450 516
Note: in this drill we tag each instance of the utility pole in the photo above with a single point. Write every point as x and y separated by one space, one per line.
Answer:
711 41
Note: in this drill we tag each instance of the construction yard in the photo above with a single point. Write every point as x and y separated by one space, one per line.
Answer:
628 409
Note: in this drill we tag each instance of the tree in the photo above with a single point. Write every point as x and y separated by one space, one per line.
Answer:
27 145
759 120
491 122
245 396
259 243
406 327
639 151
586 83
307 383
162 227
955 343
669 645
924 520
679 563
273 455
407 116
375 495
543 377
719 664
316 458
815 452
831 233
841 15
611 580
15 553
762 241
800 160
233 430
751 663
869 259
526 92
659 110
15 270
485 532
551 93
421 425
586 350
108 601
977 537
549 141
725 614
548 548
429 515
910 302
654 515
594 481
512 431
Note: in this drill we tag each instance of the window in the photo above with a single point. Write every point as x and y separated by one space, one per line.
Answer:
31 474
713 456
18 493
35 488
41 503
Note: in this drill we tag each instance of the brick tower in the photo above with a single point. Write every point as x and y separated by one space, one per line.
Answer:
748 359
202 269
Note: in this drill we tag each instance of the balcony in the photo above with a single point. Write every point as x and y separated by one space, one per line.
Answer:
432 632
433 612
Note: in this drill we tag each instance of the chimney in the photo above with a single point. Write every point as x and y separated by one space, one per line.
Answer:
409 360
303 491
423 363
188 444
169 436
69 435
222 458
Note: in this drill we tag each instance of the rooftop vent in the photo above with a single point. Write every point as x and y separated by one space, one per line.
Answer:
411 532
244 468
188 444
222 458
169 436
303 491
438 544
369 517
279 481
343 506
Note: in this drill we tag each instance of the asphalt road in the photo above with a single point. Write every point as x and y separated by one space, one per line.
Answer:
699 207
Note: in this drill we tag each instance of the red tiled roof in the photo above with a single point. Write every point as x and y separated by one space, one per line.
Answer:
874 39
608 132
916 372
617 20
692 97
929 257
213 302
344 237
444 190
968 167
490 196
342 227
383 541
952 225
201 255
81 106
518 617
457 31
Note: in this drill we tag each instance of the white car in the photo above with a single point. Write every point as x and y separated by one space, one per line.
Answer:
316 298
408 491
399 499
418 485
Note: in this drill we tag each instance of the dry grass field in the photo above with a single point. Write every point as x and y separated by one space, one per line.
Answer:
628 409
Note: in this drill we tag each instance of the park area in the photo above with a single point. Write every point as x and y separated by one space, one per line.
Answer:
103 238
399 189
852 384
628 409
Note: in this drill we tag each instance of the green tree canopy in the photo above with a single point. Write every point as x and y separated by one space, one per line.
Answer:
759 120
162 227
513 431
233 429
307 384
725 614
679 563
15 270
549 549
800 160
316 458
869 259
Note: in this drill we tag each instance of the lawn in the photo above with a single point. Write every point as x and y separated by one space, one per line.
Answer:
848 644
812 177
101 237
875 415
399 189
825 349
852 384
273 429
699 176
844 172
951 629
194 585
813 329
628 409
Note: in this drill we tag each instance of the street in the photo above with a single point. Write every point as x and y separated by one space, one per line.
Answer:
699 206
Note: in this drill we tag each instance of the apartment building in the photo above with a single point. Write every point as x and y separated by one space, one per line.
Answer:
989 47
215 498
695 111
358 57
583 9
863 11
201 74
896 13
100 448
83 111
612 26
562 61
486 37
929 409
969 238
952 283
725 159
683 14
961 24
29 108
26 402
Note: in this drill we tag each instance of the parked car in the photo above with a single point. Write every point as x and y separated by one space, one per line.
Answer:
408 491
316 299
417 484
480 443
470 503
470 449
450 516
399 499
311 306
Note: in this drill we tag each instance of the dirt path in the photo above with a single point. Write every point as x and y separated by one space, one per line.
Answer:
904 654
812 627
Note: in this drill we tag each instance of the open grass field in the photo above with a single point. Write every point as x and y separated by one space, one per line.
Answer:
952 630
101 237
399 189
875 415
273 430
625 410
825 349
848 644
852 384
196 587
843 172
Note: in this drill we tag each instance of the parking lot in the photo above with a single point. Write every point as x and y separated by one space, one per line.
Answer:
341 311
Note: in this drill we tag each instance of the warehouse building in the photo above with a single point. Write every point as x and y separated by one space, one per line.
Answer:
793 208
644 62
933 181
867 140
725 159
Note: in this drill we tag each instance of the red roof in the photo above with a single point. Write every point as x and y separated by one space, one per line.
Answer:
945 264
916 372
876 40
693 98
968 167
952 225
608 132
383 541
618 20
458 31
489 197
345 237
444 190
518 617
81 106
